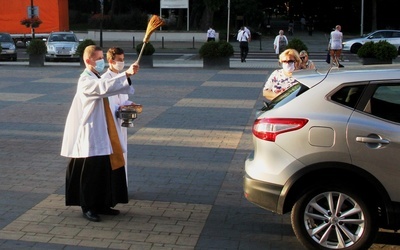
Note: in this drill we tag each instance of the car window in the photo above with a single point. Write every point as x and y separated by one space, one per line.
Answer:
348 95
396 34
385 103
63 38
286 96
378 34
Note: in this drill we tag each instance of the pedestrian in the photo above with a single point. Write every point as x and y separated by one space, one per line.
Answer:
281 79
306 63
243 39
116 63
335 46
247 30
280 43
210 34
303 22
310 26
291 27
95 176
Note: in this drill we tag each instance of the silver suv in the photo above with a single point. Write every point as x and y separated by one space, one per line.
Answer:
328 151
9 50
62 46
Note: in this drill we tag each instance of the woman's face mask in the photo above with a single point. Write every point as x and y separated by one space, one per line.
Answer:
288 66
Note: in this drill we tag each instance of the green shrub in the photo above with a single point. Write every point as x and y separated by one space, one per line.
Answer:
367 50
381 50
297 44
148 49
216 49
385 50
83 45
36 47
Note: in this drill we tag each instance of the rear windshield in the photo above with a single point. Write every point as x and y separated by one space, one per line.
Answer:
286 96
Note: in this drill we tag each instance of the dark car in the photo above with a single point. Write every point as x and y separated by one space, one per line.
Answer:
9 50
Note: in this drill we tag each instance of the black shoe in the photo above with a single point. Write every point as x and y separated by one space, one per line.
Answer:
108 211
91 216
341 66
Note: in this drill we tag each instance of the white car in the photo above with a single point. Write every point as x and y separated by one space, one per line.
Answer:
62 46
391 36
327 151
9 50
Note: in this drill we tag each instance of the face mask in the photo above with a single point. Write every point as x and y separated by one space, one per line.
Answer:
288 67
119 66
99 65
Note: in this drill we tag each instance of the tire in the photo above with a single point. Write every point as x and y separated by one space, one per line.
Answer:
316 228
355 47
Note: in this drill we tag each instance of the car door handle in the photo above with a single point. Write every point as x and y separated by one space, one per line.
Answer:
371 140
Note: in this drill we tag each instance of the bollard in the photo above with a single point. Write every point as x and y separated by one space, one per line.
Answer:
133 42
193 42
162 42
260 43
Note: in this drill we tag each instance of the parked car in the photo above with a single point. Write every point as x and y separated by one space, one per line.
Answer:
62 46
9 50
392 36
327 151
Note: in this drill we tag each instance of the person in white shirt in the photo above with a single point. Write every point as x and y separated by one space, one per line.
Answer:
280 43
95 176
248 32
335 46
243 38
210 34
115 59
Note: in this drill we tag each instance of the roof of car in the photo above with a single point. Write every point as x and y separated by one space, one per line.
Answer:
310 78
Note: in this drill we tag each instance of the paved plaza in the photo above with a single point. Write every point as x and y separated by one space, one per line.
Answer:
186 159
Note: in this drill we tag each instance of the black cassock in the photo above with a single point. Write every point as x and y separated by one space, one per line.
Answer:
92 184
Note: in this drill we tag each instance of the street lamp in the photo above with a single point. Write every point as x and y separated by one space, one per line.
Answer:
229 15
32 16
362 17
101 21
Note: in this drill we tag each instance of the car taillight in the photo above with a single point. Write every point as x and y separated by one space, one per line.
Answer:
268 128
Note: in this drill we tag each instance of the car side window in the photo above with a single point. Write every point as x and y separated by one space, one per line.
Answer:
385 103
396 34
348 95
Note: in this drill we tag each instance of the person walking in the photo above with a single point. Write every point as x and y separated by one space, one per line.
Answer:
335 46
310 25
243 38
210 34
116 63
95 176
280 43
291 27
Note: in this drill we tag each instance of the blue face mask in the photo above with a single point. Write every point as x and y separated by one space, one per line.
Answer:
99 65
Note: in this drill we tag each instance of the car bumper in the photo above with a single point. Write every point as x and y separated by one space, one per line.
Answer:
346 47
8 54
265 195
62 56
